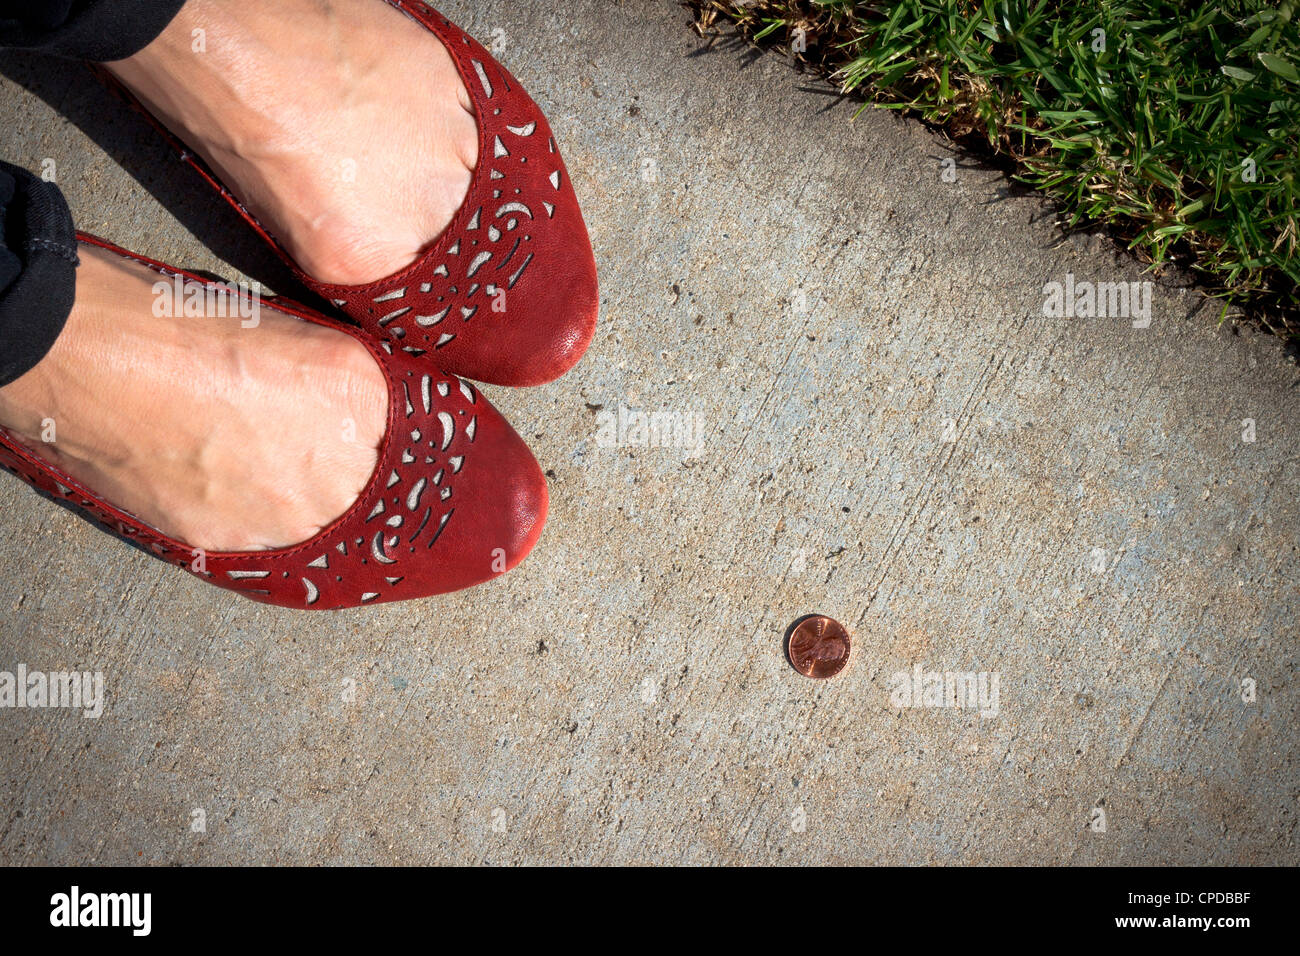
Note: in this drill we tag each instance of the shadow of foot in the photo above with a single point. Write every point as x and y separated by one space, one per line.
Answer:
71 90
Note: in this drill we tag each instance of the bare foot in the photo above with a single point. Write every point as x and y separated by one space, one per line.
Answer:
225 437
341 124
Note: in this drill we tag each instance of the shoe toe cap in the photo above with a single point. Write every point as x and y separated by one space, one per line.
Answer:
501 504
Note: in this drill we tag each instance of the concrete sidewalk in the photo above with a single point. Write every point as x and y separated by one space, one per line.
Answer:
891 432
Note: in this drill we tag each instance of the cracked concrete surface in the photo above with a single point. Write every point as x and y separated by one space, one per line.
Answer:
893 434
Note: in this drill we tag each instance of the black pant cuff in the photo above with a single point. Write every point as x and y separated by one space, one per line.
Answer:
38 263
102 30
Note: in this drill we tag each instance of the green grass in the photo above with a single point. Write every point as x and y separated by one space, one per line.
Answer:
1175 123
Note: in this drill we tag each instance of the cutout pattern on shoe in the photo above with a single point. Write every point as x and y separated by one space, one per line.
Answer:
508 293
456 498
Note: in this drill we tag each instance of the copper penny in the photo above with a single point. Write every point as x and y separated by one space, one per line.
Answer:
818 646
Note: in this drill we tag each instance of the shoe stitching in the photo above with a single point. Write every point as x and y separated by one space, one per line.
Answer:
60 249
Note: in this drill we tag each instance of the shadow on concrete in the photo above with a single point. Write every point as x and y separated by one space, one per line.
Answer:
71 90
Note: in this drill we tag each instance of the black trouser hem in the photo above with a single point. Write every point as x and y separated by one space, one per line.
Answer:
38 263
102 30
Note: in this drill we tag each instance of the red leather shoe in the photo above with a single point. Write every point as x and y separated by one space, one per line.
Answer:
508 293
456 499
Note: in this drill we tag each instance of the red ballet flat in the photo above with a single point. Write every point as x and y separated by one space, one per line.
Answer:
508 293
456 499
